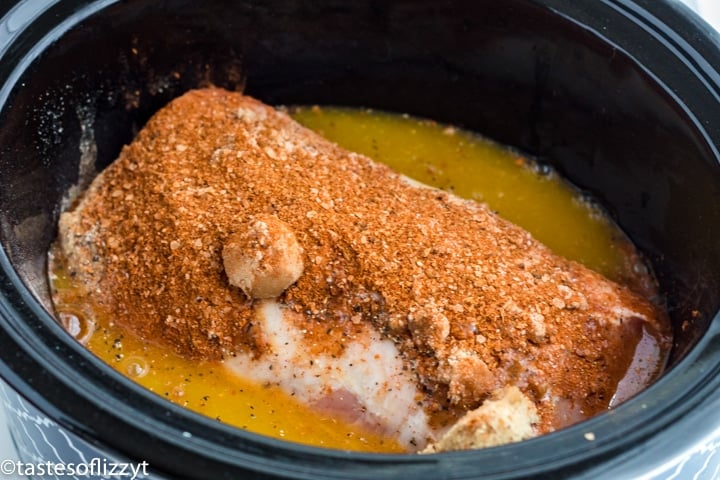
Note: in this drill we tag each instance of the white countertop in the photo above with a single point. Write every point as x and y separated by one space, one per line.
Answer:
7 449
708 9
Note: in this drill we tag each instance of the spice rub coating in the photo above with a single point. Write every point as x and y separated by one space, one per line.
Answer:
473 302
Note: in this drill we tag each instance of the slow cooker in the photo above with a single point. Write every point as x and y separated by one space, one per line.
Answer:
621 96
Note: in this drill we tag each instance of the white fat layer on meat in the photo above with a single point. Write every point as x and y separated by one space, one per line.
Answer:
370 369
622 314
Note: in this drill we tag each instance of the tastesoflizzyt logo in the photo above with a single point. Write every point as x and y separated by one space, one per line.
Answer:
97 467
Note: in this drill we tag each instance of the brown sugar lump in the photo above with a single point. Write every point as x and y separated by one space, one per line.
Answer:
508 416
264 258
227 231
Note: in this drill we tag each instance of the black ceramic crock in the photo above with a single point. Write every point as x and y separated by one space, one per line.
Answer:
621 96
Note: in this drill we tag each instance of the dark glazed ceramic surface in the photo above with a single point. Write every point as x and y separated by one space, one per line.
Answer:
620 96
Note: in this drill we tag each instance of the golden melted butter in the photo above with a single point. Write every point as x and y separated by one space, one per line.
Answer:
441 156
204 387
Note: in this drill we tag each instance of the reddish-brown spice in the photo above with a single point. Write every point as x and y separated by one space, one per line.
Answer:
473 302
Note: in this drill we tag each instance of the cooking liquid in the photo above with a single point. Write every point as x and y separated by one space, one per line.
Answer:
520 190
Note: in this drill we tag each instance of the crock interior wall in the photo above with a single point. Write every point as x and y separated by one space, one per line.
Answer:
511 70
